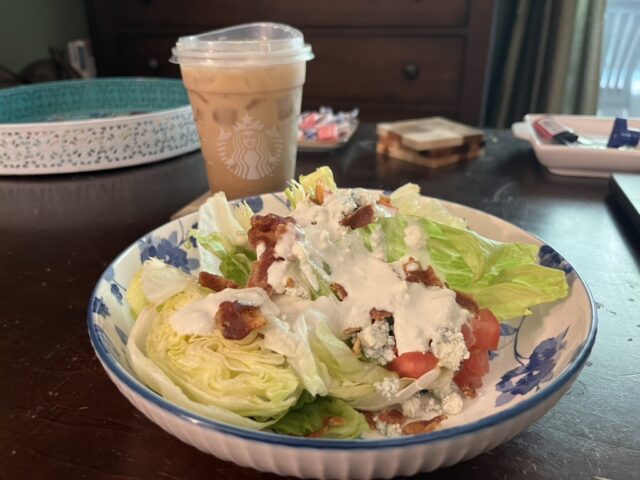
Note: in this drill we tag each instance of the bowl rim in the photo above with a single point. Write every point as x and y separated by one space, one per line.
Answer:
91 122
137 387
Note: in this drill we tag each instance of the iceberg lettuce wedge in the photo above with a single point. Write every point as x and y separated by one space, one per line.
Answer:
224 377
324 417
155 378
348 377
503 277
408 201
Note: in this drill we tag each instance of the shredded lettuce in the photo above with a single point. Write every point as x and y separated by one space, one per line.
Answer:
305 188
408 201
324 416
503 277
135 296
293 343
217 216
242 213
235 260
155 283
349 378
160 281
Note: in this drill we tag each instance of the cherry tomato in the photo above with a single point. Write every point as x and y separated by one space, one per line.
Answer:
413 364
477 363
486 330
469 337
481 336
464 378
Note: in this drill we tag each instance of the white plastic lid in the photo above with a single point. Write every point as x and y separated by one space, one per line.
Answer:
248 45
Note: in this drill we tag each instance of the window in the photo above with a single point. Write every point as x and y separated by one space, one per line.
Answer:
620 67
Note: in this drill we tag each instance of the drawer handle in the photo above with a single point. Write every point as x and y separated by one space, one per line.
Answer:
411 71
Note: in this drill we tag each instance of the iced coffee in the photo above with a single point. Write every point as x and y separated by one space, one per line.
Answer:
246 103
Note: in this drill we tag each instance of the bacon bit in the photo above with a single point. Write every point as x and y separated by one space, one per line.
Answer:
423 426
378 315
385 202
215 282
339 290
334 421
362 217
319 192
368 416
236 321
290 283
430 278
352 330
357 346
319 433
414 274
467 302
391 416
469 392
267 229
327 423
259 271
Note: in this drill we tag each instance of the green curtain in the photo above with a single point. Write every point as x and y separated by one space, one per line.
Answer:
546 59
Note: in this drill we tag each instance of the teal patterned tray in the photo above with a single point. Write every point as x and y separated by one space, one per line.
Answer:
85 125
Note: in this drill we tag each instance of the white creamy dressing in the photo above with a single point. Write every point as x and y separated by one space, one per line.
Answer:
419 312
413 237
198 318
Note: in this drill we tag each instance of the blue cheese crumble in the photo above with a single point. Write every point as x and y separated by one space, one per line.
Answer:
388 386
387 429
448 345
421 406
377 342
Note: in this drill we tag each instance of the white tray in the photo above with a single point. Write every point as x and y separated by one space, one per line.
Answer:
580 161
87 125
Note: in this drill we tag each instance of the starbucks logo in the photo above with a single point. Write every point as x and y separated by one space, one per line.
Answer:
249 152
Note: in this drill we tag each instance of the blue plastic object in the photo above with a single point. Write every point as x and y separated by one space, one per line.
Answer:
622 135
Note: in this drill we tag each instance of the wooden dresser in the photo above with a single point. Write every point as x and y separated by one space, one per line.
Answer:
391 58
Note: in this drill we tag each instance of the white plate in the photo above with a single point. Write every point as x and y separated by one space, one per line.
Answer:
538 359
580 161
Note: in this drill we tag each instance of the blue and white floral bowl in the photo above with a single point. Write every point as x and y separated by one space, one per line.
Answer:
538 359
86 125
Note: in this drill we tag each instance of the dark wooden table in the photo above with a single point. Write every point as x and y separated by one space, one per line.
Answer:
62 418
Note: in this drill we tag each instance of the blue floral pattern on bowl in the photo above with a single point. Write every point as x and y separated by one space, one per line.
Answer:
548 257
532 371
539 366
99 307
170 250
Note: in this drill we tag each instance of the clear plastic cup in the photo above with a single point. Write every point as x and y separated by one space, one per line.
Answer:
245 88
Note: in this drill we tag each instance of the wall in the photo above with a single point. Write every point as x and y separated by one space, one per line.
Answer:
29 27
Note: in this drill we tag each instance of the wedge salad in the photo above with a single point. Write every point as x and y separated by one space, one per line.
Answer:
357 315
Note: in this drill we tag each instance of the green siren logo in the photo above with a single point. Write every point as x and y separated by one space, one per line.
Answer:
247 151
